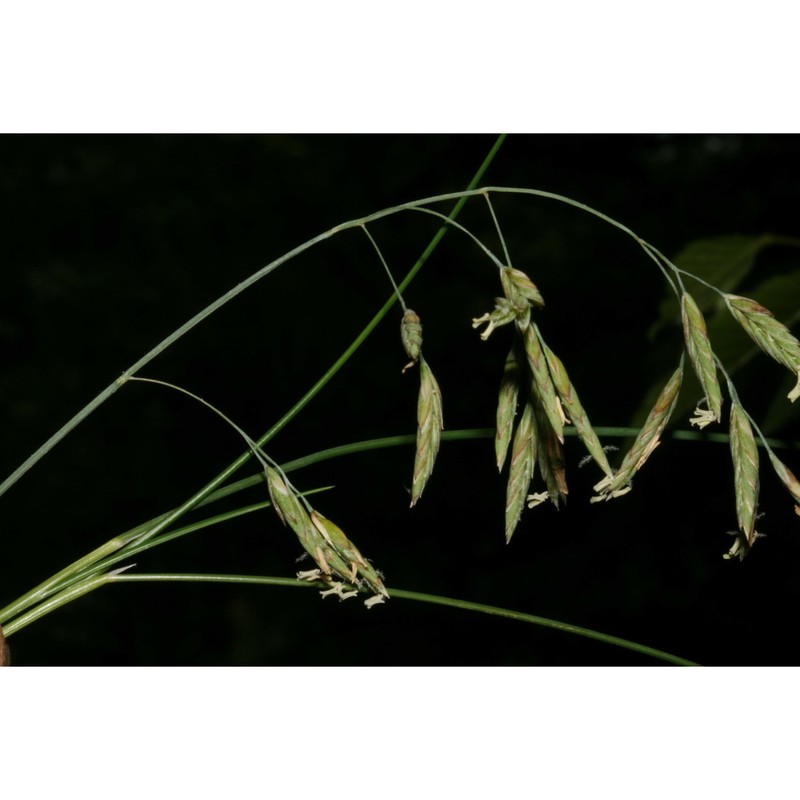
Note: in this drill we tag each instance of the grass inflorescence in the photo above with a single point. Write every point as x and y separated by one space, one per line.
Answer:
537 406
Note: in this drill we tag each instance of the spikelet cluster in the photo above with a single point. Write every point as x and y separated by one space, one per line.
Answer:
339 562
537 378
779 343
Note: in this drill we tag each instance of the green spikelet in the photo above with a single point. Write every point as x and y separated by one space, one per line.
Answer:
523 460
702 357
506 407
572 404
646 441
429 429
411 335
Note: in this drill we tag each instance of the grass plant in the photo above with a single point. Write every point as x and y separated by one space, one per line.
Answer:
538 406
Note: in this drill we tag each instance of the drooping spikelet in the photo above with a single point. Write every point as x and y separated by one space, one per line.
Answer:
429 429
744 453
411 335
291 512
506 407
519 288
543 383
550 457
579 418
334 554
520 296
787 478
702 357
358 565
646 441
521 466
774 338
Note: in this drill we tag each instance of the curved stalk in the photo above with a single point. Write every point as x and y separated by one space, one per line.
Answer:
461 197
543 621
95 583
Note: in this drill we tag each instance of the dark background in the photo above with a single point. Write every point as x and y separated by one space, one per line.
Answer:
111 242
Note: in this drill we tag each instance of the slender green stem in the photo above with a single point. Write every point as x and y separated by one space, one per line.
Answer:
499 230
99 560
464 230
58 600
55 582
260 455
386 267
372 324
700 280
237 290
136 548
265 460
156 351
735 399
656 255
401 594
489 433
534 620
